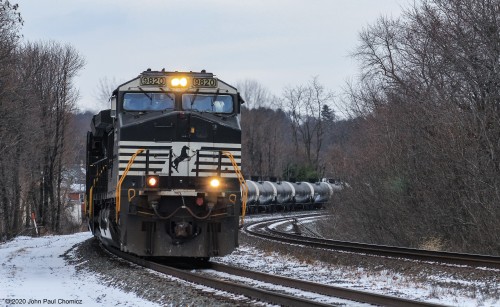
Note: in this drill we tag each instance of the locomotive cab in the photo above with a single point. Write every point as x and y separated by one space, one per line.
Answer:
163 167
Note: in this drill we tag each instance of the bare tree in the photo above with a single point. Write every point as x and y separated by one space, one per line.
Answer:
51 96
255 94
10 127
304 105
426 162
265 132
105 88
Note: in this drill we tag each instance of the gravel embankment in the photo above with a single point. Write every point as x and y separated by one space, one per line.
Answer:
145 283
477 285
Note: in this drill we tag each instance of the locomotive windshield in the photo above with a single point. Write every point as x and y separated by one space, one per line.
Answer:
148 101
208 103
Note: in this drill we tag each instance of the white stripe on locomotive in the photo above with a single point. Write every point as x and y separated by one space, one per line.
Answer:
159 158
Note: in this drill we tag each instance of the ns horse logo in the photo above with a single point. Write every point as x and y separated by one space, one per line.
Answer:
183 156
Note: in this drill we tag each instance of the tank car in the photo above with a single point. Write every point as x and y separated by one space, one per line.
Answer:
163 166
261 195
322 193
304 194
283 195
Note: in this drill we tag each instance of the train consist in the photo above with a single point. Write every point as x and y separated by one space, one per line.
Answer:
163 166
270 196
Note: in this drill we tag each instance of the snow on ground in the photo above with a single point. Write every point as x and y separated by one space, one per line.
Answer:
287 290
34 272
387 282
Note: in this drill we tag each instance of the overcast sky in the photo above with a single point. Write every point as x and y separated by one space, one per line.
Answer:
278 43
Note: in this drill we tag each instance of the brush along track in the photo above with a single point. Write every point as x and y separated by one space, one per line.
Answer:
207 278
266 230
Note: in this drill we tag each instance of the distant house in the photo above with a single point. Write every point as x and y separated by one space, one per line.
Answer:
75 203
74 194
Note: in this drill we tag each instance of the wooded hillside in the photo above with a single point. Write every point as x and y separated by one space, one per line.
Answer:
419 152
37 98
424 164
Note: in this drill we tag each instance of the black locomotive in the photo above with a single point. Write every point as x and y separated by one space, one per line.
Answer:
163 166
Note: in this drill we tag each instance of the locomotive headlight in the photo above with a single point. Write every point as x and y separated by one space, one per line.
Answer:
214 182
175 82
152 181
179 82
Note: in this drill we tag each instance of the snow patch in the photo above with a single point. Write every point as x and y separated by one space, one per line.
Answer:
34 272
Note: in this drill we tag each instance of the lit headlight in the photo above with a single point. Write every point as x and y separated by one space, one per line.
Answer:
214 183
179 81
152 181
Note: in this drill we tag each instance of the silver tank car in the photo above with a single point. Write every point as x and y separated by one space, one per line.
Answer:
283 195
322 193
304 194
261 194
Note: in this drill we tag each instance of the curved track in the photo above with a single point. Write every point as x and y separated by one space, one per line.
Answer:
265 230
207 278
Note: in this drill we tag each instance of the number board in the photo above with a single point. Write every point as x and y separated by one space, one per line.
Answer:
204 82
149 80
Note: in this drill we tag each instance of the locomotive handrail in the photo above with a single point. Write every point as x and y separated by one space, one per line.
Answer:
243 184
122 178
91 191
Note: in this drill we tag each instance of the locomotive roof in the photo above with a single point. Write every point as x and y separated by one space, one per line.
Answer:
135 84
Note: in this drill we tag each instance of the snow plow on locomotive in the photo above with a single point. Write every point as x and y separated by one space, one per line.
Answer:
163 166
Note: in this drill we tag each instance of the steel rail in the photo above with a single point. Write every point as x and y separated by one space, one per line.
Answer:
332 291
232 287
473 260
266 295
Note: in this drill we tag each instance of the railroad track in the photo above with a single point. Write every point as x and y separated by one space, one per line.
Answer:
265 230
329 294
